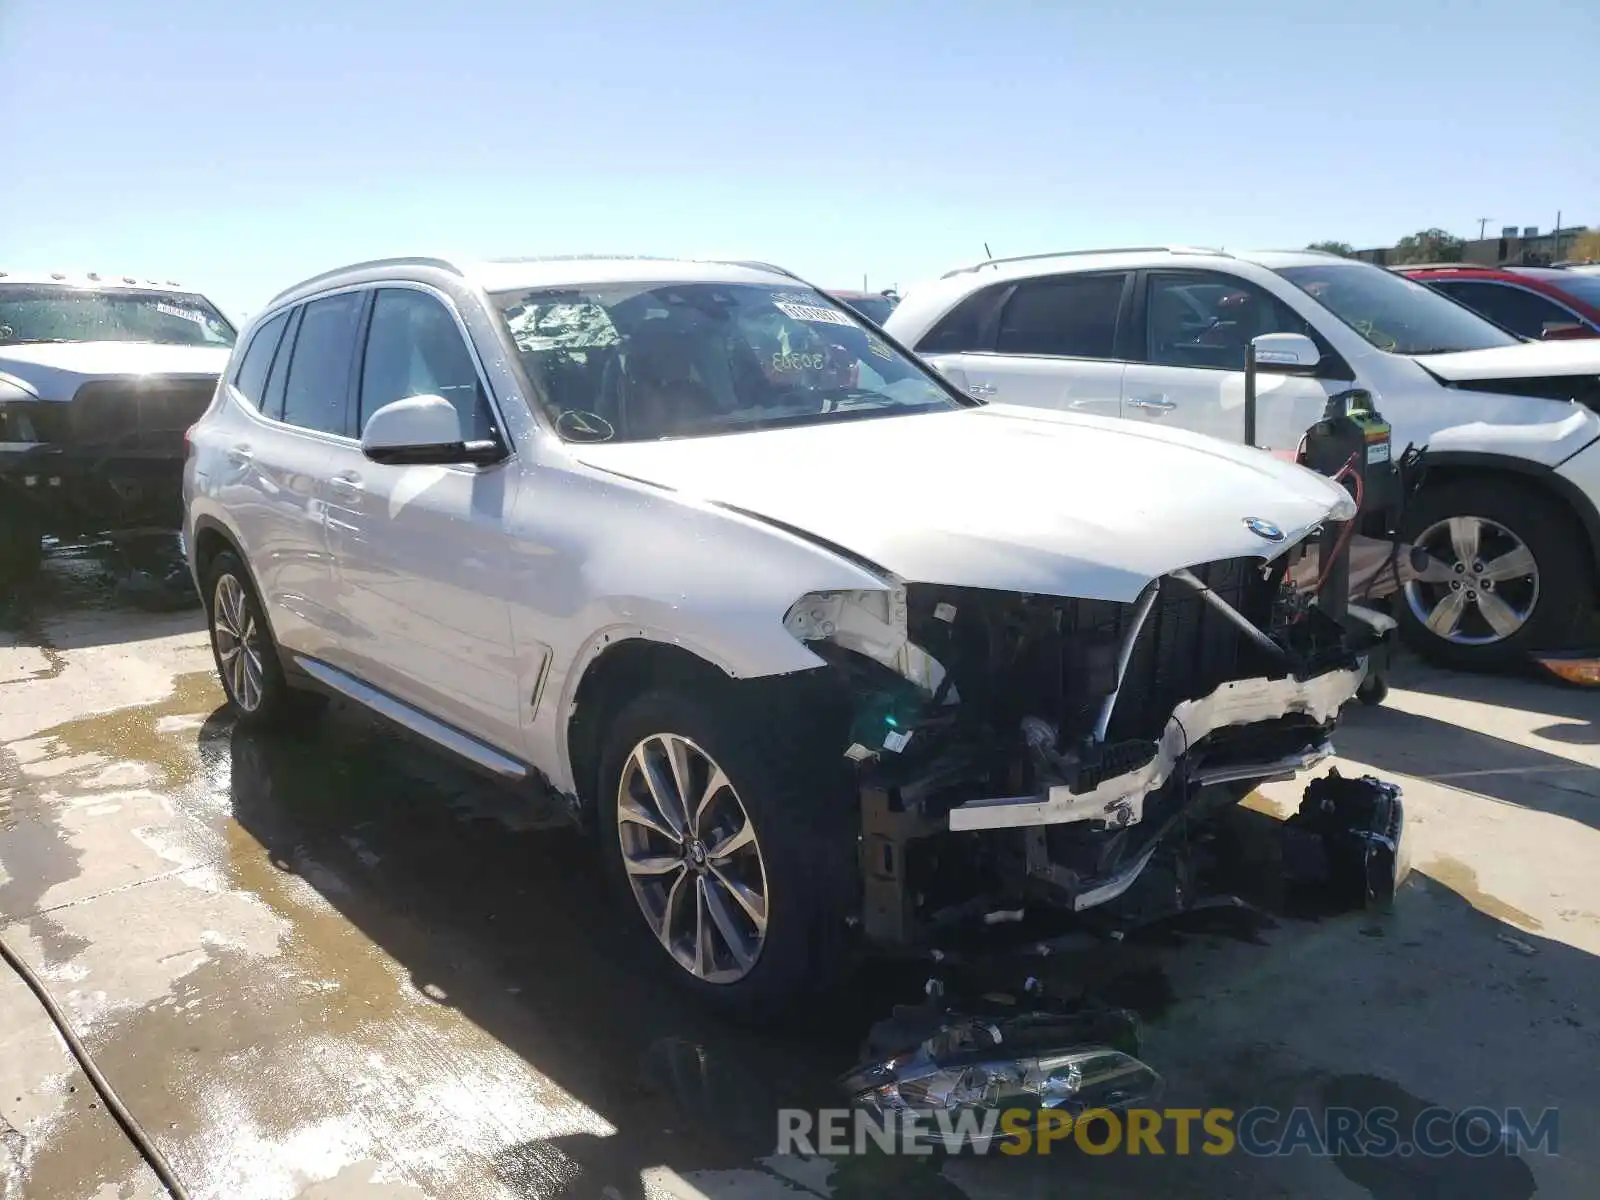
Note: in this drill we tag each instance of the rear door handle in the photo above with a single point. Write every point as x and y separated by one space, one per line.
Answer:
241 456
1154 405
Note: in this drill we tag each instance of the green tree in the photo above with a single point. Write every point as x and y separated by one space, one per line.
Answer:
1343 249
1585 246
1428 246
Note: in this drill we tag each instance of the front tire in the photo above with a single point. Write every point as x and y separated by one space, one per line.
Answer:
21 546
243 648
1508 574
726 846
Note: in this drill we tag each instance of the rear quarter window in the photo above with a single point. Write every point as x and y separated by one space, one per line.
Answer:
250 377
964 327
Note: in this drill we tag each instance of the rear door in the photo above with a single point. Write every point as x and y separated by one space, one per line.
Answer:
1192 328
1050 342
270 481
420 551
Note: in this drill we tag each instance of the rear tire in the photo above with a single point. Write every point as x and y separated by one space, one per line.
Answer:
1509 574
794 862
243 648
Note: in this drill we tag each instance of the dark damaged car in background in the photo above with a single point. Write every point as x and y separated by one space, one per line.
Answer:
827 655
99 379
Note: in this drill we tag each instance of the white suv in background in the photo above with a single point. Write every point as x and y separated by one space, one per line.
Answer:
810 639
1508 508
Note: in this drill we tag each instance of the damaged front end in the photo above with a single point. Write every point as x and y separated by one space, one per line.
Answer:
1017 753
110 459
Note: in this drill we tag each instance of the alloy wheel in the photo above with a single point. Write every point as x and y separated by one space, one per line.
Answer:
692 858
238 642
1481 583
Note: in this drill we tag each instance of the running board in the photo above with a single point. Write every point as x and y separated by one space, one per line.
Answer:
420 723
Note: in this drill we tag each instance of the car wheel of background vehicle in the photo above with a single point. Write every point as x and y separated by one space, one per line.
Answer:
241 643
21 546
727 846
1507 574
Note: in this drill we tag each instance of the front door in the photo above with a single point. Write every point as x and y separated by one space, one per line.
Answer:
1195 326
419 551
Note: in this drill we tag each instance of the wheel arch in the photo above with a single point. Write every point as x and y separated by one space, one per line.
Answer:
1457 464
631 665
211 537
623 667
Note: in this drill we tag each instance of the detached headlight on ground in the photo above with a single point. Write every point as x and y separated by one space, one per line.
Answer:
966 1069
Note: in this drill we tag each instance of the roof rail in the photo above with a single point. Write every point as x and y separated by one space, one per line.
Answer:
754 265
995 262
540 258
400 261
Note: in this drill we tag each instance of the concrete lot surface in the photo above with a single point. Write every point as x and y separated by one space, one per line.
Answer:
333 966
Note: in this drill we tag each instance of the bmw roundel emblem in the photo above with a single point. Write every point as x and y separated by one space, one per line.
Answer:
1263 529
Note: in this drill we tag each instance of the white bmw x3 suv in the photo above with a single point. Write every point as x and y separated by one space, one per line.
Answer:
821 649
1509 509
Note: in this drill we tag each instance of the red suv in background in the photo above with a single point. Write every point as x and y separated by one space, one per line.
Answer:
1535 302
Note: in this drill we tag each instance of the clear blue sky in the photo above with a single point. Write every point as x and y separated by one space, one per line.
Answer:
238 146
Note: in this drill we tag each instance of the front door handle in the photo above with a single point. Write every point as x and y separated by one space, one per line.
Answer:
982 389
346 484
1156 406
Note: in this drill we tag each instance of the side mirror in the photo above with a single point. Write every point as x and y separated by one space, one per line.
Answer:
1286 351
1561 331
423 430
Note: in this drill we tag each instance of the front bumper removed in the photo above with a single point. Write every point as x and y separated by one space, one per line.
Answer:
933 1072
1119 800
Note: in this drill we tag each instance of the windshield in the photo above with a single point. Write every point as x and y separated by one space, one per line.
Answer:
63 313
639 362
1395 313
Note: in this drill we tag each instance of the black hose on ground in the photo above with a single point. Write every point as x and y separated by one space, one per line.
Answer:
113 1102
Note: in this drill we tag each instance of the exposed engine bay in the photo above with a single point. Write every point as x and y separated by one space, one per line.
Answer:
1020 751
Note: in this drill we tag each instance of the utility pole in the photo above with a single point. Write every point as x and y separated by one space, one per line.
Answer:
1483 223
1555 254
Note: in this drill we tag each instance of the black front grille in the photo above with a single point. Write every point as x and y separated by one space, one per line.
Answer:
1187 648
143 416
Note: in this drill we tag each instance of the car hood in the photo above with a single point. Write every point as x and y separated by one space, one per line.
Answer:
55 370
1014 499
1526 360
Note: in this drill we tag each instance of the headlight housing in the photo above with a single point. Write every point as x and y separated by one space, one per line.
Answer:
965 1068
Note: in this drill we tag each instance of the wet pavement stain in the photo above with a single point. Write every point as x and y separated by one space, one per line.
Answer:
416 992
1463 880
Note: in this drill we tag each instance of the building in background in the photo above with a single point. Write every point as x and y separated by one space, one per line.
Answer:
1523 246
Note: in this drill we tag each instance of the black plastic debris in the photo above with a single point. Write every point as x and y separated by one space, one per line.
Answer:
1347 839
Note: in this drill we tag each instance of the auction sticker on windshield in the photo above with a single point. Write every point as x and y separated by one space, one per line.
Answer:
812 312
186 314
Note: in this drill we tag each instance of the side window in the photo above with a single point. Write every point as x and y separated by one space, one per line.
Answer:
272 403
250 380
1203 319
415 348
1509 307
962 327
1074 316
318 384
